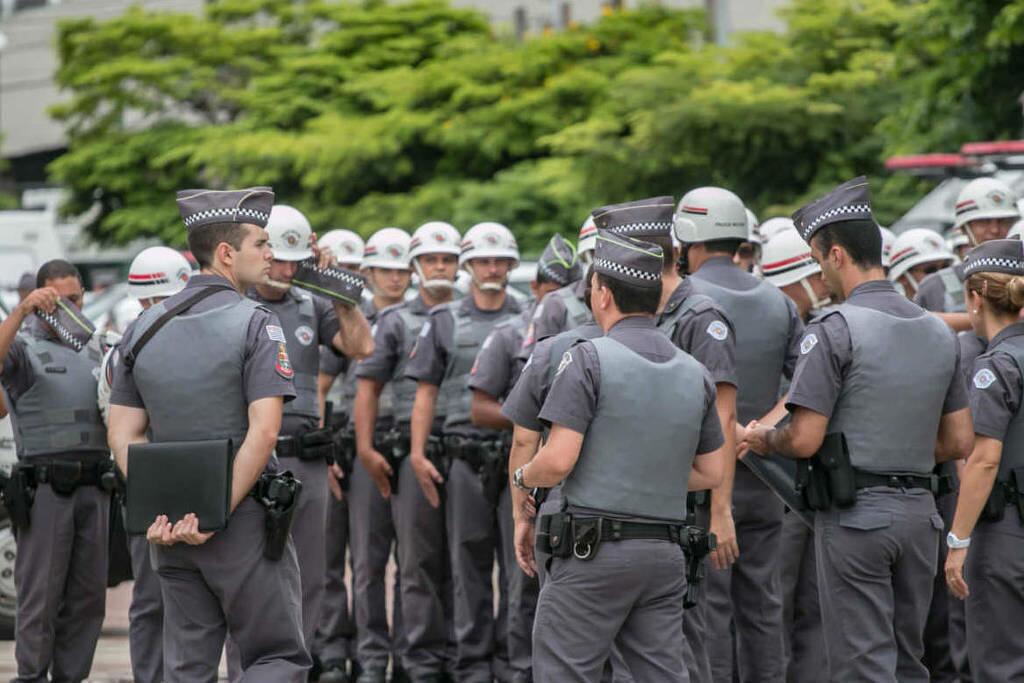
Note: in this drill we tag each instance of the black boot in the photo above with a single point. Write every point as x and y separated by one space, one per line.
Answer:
334 671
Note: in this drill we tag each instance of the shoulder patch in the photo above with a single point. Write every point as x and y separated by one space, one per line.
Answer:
564 363
283 365
718 330
984 378
808 343
425 330
275 333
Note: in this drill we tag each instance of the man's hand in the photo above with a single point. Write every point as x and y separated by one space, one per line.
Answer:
44 298
526 510
524 546
379 470
756 438
334 476
724 529
187 531
741 436
159 532
428 477
955 559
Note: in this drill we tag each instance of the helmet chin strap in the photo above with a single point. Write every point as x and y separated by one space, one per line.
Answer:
816 303
586 257
437 286
487 286
277 284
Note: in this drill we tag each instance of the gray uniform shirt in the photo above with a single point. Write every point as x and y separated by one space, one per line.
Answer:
327 326
996 387
708 336
931 293
267 371
502 356
572 400
553 316
827 350
388 341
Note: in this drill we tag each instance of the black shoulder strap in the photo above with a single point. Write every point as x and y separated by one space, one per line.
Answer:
181 307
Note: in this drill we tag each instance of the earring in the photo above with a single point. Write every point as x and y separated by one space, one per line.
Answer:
974 311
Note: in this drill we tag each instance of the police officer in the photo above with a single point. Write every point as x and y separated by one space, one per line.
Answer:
711 223
154 274
789 265
985 210
334 643
441 362
566 309
230 376
916 254
620 574
371 528
984 564
419 526
302 447
60 573
888 240
884 375
748 256
497 367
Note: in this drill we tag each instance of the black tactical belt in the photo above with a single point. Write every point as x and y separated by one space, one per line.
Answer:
64 476
617 530
927 482
474 451
316 445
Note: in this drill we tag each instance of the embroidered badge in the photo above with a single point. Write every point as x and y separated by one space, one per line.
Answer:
984 378
809 342
283 366
564 363
304 334
718 330
275 333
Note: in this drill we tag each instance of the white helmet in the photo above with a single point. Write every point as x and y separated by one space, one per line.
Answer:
774 226
914 247
435 237
753 228
289 233
710 213
387 248
957 238
587 240
345 245
488 240
888 239
985 198
158 272
787 259
1017 231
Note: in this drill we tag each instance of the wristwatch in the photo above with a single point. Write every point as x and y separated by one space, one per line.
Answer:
957 543
517 479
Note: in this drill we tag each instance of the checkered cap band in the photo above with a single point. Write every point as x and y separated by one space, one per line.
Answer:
648 228
62 332
835 215
994 264
557 275
613 268
258 217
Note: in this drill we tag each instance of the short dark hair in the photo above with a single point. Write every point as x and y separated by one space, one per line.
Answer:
728 246
665 242
543 279
203 241
57 269
861 239
630 298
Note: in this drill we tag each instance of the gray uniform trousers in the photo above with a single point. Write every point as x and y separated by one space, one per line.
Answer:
227 585
145 615
748 593
422 563
631 595
876 562
995 575
475 538
60 575
336 633
695 651
371 535
522 601
801 613
945 636
307 531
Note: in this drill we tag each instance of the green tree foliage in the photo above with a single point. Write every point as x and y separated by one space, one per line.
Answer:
373 114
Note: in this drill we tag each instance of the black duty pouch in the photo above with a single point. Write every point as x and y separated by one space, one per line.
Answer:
698 545
18 493
812 483
64 477
1017 483
834 456
279 496
318 445
995 505
344 454
437 456
494 473
586 537
554 535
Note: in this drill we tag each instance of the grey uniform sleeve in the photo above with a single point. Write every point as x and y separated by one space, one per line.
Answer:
524 401
708 337
796 333
331 362
491 371
572 400
931 295
267 370
711 437
123 391
327 320
825 354
995 394
551 319
387 345
17 375
429 356
956 393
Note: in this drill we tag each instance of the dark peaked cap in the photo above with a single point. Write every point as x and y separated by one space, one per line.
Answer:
628 260
559 263
849 202
206 207
643 218
996 256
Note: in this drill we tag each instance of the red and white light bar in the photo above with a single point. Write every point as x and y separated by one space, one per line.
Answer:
995 148
909 162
